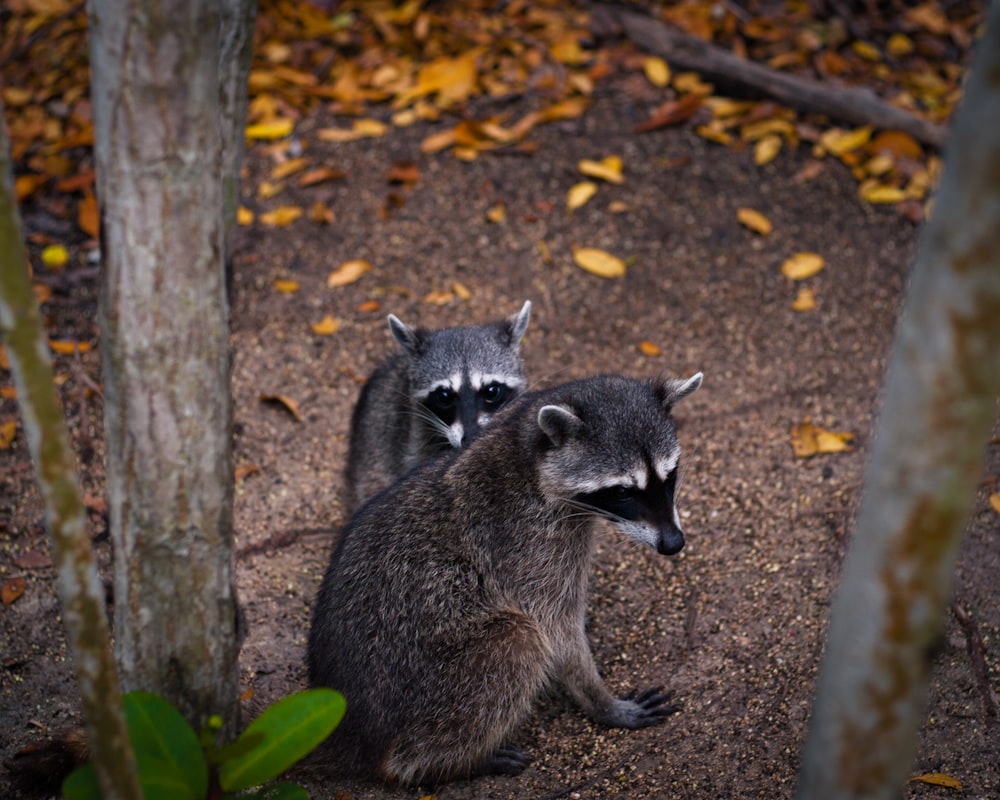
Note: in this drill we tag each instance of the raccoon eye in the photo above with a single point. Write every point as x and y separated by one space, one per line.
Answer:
442 398
494 394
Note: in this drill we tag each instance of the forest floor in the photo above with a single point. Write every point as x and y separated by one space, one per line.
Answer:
734 625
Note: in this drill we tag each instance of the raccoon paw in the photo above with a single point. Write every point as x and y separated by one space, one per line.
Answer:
642 709
506 761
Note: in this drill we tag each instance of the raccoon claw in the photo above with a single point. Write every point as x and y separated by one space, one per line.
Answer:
646 708
507 761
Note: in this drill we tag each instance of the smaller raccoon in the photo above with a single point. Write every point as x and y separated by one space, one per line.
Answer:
432 397
456 596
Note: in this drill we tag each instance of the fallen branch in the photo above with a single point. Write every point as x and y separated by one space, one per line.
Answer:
857 106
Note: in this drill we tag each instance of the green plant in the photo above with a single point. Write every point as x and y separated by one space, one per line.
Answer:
174 763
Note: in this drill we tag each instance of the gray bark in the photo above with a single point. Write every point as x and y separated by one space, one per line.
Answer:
939 406
165 349
79 587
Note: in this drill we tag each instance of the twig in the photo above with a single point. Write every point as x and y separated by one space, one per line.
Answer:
974 644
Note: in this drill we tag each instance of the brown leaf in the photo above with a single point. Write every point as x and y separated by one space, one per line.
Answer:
285 401
322 213
326 326
286 285
290 167
368 306
673 112
648 348
244 471
67 347
404 172
11 590
33 559
320 175
995 501
939 779
87 216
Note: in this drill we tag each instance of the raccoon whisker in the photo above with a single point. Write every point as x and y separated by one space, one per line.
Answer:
600 512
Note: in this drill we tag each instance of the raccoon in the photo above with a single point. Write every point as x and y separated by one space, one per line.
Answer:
433 396
455 597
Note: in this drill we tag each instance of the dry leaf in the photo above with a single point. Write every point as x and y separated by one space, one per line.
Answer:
321 174
348 272
673 112
801 266
648 348
320 212
809 440
274 129
896 143
67 347
285 401
607 169
939 779
360 129
244 216
805 300
244 471
33 559
266 190
11 590
598 262
462 292
326 326
579 194
4 357
766 149
657 71
290 167
8 430
27 185
368 306
438 298
281 216
875 192
995 501
754 220
438 141
497 214
87 216
839 141
286 286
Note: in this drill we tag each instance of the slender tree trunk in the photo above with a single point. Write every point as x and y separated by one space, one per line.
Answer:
165 349
80 590
939 406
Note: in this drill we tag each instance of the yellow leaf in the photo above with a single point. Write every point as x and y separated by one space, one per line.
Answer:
320 212
283 400
995 501
267 190
899 45
766 149
866 50
754 220
438 141
939 779
274 129
66 347
326 326
691 83
801 266
244 216
656 70
579 194
497 214
805 300
370 127
348 272
8 392
438 298
55 256
544 252
289 167
461 290
809 440
8 430
648 348
286 286
839 141
607 169
281 216
361 129
599 262
879 193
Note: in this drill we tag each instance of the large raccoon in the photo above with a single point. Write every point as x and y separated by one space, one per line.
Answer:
433 396
456 596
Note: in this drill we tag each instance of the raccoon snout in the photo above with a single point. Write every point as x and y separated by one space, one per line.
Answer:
671 540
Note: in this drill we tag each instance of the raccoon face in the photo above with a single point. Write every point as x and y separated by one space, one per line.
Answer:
616 455
460 377
461 405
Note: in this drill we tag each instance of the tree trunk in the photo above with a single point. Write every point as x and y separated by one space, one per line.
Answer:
165 350
79 586
939 406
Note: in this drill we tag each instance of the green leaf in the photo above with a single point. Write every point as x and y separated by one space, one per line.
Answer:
243 744
292 727
167 751
81 784
273 791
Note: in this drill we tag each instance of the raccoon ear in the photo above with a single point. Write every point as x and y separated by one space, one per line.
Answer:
673 391
409 338
558 423
516 325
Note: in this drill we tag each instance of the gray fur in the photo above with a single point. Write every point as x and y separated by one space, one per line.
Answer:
456 596
394 426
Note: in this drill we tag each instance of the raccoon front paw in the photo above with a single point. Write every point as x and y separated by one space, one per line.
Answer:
642 709
506 761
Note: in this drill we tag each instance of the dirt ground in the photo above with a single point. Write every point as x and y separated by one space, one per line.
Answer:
733 626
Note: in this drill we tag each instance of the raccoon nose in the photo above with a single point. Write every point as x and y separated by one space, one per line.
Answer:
671 540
